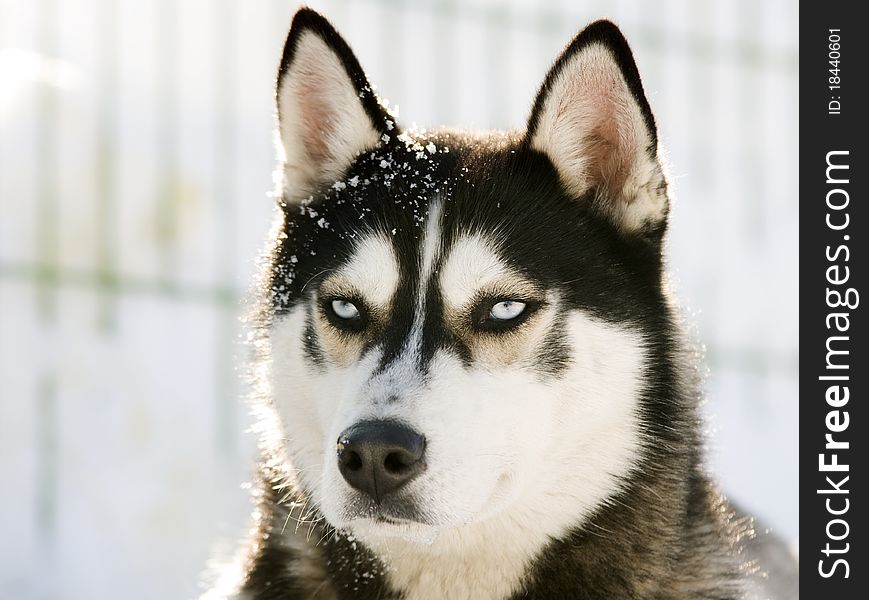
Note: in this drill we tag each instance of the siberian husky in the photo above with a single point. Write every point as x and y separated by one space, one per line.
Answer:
474 383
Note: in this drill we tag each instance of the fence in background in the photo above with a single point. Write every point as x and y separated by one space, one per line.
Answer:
135 158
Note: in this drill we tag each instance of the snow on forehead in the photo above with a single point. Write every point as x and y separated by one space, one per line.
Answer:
373 268
409 159
400 157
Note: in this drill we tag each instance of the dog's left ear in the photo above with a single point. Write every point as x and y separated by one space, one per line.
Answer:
328 112
592 119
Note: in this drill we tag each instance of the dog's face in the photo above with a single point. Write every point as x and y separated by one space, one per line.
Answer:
456 328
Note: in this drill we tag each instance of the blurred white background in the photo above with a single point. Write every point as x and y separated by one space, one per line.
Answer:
135 157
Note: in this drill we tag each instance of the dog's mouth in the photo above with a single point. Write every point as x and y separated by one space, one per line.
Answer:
391 518
393 510
395 514
381 518
404 512
382 526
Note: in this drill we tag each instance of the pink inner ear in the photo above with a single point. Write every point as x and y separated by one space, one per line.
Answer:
612 142
316 118
592 127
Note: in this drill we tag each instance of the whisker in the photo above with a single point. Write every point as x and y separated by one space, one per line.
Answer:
314 277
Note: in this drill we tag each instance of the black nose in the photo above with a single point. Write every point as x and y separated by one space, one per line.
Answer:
378 457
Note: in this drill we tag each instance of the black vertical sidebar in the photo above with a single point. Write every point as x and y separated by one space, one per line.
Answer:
834 363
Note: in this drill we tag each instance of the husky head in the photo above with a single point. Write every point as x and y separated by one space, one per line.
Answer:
459 326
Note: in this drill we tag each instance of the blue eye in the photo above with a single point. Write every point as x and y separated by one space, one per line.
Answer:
344 309
506 310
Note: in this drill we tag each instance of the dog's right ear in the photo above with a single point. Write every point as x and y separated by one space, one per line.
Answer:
592 119
328 113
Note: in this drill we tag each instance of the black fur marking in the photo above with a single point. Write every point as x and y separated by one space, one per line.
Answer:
311 344
435 333
555 355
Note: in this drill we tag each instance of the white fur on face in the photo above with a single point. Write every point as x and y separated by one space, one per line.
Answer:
514 458
431 250
593 131
372 270
471 266
323 125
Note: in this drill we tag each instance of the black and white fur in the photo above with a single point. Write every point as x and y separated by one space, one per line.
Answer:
562 449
